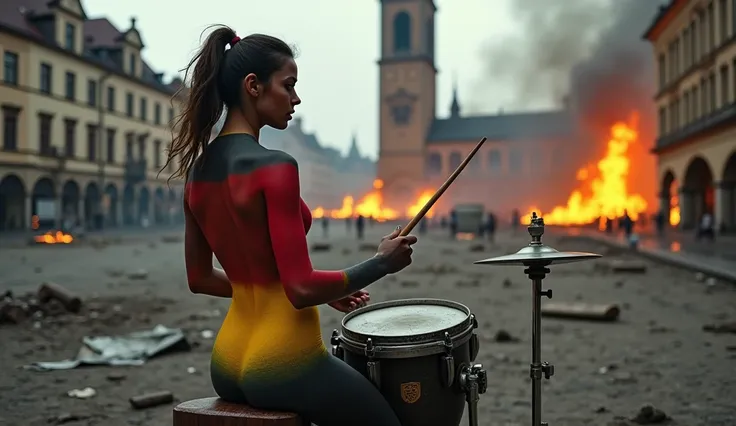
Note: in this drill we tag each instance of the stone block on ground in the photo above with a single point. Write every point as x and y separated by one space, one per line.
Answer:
582 311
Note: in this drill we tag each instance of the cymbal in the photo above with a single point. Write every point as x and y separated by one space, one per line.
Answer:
538 255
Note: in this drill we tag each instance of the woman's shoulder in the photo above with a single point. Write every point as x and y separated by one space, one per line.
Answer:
255 157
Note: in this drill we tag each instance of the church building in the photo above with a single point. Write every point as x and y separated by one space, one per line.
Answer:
524 155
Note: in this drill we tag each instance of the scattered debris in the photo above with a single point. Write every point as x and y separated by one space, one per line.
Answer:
171 239
410 284
67 418
503 336
628 267
191 370
317 247
507 283
579 310
131 349
116 377
50 300
467 283
150 400
477 248
649 415
207 334
140 274
723 328
85 393
51 291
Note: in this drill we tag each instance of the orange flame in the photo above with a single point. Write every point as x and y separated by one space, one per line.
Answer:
674 205
609 195
372 205
57 237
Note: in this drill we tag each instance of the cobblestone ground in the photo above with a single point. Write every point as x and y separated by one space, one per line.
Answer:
657 353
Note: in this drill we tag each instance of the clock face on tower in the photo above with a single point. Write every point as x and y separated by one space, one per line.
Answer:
401 105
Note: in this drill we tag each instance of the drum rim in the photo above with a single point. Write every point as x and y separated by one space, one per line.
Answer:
397 342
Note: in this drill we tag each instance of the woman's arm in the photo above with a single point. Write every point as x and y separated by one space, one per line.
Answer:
303 285
203 278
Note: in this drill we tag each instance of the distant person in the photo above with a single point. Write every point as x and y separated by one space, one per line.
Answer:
659 220
627 224
325 226
705 227
453 224
515 220
491 227
269 351
360 226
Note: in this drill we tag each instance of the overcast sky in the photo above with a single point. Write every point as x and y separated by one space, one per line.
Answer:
338 44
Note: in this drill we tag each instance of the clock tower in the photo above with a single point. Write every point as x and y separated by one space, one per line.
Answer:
407 96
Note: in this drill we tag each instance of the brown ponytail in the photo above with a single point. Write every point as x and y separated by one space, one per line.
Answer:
203 106
215 83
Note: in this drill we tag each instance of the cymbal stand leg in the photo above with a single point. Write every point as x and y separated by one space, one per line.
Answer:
537 368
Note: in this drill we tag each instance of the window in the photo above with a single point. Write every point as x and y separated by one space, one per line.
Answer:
494 161
733 15
434 164
132 61
662 121
110 98
70 37
686 48
402 32
702 37
703 97
157 114
10 128
711 27
129 143
725 86
712 87
662 71
686 118
455 160
157 154
694 42
70 85
110 146
723 15
144 109
516 160
92 92
70 130
142 147
44 133
694 103
129 104
45 84
91 142
10 68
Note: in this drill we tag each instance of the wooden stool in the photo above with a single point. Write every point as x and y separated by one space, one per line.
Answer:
216 412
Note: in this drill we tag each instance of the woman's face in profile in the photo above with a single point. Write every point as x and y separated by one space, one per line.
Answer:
277 104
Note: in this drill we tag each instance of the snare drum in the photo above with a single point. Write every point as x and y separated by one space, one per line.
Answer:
419 353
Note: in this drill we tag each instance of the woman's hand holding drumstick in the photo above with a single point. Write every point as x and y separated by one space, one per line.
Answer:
395 249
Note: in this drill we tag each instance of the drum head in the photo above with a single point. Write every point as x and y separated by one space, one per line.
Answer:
407 321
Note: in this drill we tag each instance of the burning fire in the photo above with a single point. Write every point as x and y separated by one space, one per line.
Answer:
371 205
57 237
608 193
674 205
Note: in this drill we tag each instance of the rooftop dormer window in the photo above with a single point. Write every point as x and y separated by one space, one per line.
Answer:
132 63
70 36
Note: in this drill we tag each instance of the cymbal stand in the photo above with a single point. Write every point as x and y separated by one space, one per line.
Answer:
536 271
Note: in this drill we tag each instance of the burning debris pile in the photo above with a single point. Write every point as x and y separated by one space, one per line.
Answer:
53 237
51 300
372 205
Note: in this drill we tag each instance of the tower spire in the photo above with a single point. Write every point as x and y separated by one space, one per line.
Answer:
354 152
455 106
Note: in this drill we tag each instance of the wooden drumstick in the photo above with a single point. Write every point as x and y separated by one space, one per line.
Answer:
408 228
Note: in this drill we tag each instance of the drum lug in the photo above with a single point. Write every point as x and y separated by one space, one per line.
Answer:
474 342
448 363
373 367
337 351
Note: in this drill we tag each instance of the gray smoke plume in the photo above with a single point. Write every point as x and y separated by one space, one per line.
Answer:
592 52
